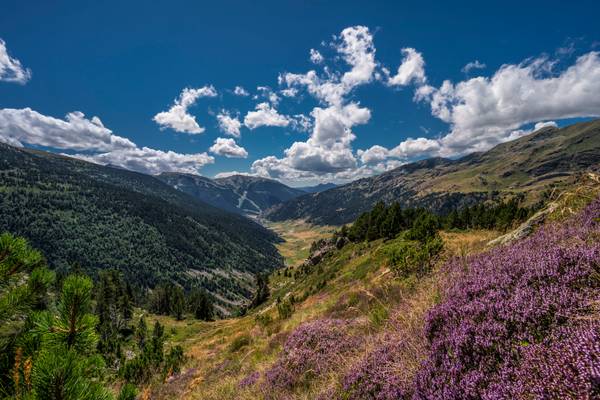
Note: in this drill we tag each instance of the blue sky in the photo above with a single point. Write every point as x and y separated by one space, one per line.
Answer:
127 62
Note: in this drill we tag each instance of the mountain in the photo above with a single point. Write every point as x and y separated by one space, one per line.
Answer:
98 217
524 166
241 194
321 187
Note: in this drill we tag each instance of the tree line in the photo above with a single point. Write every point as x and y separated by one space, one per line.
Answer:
386 222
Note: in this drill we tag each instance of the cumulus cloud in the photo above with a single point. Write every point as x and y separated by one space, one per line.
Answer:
11 69
316 57
240 91
289 92
151 161
406 150
228 148
411 70
177 117
96 142
483 112
355 46
75 132
265 115
268 93
228 124
328 151
473 65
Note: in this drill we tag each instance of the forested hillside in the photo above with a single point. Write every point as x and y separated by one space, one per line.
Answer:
82 215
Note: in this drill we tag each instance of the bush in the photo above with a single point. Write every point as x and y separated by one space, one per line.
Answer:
312 349
238 343
408 258
500 323
285 308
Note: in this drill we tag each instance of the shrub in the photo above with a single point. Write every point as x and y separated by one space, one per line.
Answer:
239 342
506 307
376 376
312 349
285 308
409 258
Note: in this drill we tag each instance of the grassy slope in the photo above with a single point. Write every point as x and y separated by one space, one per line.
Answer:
359 287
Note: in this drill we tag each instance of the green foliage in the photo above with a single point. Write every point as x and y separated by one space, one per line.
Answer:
387 222
285 308
152 359
200 304
128 392
66 375
238 343
54 347
262 290
414 257
114 311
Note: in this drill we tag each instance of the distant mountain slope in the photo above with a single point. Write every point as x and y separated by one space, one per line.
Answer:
238 193
103 217
321 187
526 165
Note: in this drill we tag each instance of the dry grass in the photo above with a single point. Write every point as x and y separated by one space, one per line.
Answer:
360 288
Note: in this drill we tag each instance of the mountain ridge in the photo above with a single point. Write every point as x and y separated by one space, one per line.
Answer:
241 194
524 167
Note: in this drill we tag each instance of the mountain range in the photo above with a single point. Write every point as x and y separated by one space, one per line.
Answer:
525 167
92 217
240 194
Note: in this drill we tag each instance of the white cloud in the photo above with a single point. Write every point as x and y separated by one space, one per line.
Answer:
11 69
75 132
357 50
228 148
177 117
412 69
328 149
483 112
316 57
228 124
240 91
301 123
373 155
151 161
408 149
289 92
473 65
265 115
269 94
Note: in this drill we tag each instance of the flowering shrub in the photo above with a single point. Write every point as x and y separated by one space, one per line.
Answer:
313 348
566 366
499 316
249 380
377 377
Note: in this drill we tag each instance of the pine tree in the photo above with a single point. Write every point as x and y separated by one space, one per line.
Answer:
68 367
24 284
